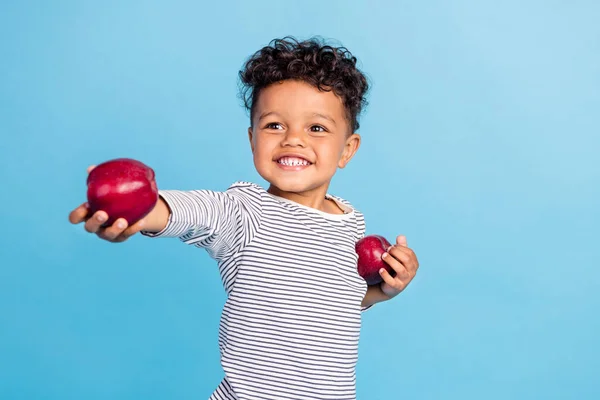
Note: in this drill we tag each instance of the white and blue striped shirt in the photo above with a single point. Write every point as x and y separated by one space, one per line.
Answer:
290 326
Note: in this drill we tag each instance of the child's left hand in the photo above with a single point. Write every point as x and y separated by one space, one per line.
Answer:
402 260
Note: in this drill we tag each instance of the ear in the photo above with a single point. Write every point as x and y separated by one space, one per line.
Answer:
350 148
250 138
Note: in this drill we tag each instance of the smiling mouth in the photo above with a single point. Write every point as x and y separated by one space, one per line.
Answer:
293 162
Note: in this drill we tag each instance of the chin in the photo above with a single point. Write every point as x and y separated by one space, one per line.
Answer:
292 185
289 186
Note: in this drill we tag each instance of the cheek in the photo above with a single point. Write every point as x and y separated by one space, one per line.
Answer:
337 151
262 149
330 156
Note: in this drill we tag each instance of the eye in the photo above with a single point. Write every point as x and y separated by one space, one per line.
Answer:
317 128
273 125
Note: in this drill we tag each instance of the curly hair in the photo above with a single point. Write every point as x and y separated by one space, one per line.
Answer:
312 61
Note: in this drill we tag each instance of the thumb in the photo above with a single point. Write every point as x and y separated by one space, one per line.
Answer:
401 240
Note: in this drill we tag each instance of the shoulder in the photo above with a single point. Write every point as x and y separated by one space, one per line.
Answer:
358 216
245 187
248 193
347 204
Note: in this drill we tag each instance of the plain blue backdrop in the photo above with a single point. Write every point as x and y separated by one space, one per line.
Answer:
481 144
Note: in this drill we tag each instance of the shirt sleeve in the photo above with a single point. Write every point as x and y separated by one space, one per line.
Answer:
223 223
360 233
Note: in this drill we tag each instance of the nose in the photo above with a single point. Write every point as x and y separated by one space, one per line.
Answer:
294 137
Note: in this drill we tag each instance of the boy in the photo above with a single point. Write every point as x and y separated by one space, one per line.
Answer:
291 322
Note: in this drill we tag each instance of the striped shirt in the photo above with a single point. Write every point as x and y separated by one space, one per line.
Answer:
290 326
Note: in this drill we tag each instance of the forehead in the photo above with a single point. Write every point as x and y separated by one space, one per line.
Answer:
297 98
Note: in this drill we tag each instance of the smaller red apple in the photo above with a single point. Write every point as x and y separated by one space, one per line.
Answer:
123 188
370 249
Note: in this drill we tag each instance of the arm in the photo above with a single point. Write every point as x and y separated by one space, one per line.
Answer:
373 296
200 217
158 218
220 222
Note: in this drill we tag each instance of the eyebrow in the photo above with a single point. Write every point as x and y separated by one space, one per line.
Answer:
266 114
318 115
327 117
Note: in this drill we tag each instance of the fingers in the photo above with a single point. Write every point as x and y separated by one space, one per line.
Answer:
94 224
90 168
397 265
132 230
401 240
79 214
112 232
120 231
401 260
406 256
389 279
404 263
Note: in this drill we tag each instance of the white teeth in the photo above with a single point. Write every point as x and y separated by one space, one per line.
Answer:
292 161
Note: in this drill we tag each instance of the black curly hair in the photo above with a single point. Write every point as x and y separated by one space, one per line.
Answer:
312 61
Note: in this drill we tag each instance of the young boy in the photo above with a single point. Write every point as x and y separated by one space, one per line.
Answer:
291 323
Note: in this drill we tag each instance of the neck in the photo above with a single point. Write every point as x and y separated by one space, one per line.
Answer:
314 198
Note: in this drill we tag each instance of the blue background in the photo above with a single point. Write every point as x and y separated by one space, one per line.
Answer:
481 144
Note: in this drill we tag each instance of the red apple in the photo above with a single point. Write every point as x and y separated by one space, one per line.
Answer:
123 188
370 249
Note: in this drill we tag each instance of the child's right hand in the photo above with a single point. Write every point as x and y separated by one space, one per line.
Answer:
118 232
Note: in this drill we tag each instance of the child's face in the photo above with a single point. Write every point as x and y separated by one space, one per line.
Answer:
300 136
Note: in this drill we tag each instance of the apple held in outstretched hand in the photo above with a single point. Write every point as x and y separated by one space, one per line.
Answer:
123 188
370 250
